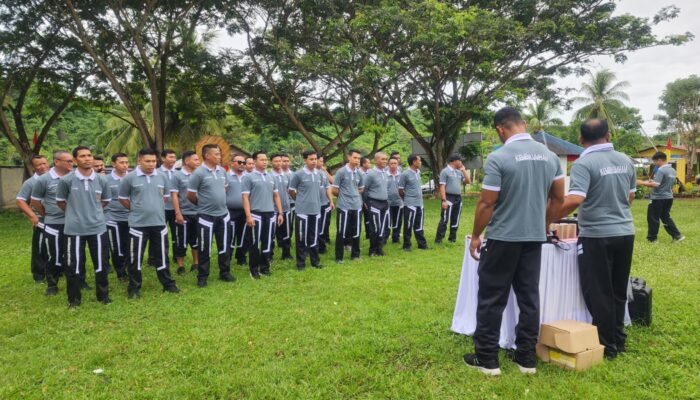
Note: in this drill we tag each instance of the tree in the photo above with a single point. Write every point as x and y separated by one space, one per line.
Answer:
454 60
41 70
540 114
680 103
603 97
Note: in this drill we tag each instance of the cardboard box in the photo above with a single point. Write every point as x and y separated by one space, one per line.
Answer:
571 361
569 344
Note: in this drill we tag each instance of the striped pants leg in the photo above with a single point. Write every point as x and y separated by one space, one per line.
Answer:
75 265
307 239
261 246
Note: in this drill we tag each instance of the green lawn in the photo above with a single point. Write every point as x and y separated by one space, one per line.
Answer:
375 328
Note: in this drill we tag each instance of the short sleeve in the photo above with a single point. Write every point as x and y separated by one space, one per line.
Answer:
492 175
194 182
277 185
633 178
294 182
443 177
559 174
25 192
338 179
659 176
106 190
363 180
39 190
402 181
125 188
62 190
245 184
580 180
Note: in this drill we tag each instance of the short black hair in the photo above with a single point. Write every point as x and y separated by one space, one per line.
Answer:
454 157
187 154
165 152
308 153
594 129
98 158
320 156
507 116
234 155
257 153
394 153
273 156
354 151
249 158
147 152
283 155
412 158
116 156
363 159
38 157
659 155
78 148
207 147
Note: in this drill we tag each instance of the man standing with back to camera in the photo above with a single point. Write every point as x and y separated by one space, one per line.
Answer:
523 189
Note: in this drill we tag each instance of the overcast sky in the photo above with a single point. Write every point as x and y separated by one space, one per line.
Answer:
647 71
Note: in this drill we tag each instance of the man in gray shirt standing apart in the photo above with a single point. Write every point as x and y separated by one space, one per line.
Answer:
117 216
261 198
207 189
376 188
603 183
412 194
347 186
23 200
144 192
82 195
523 189
661 199
451 179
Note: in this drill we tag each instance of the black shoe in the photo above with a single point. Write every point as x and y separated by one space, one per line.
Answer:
227 278
358 258
172 289
287 257
487 368
395 241
38 281
202 283
134 294
181 270
526 364
85 286
423 248
339 261
438 241
194 267
255 275
123 278
266 272
609 354
51 291
380 253
452 240
621 348
406 249
240 262
106 301
73 306
317 266
301 267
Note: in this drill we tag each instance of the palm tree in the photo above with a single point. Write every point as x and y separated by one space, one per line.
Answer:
121 134
603 97
540 114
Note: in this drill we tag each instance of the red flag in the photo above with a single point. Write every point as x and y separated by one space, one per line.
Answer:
669 144
35 138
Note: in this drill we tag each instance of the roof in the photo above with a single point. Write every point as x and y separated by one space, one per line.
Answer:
662 147
557 145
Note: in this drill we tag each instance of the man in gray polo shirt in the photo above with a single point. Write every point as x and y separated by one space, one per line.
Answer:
82 195
603 183
168 158
187 232
44 201
207 189
283 232
395 202
327 206
347 187
241 235
451 179
412 194
117 217
144 191
523 189
661 199
376 184
261 198
23 199
303 188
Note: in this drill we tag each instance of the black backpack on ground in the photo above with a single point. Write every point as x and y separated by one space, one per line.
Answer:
640 306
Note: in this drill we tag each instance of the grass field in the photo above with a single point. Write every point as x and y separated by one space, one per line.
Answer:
374 328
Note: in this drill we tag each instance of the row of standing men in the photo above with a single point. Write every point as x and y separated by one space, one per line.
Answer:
124 216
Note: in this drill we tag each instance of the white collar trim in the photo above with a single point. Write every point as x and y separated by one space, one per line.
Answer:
139 172
85 178
519 136
597 147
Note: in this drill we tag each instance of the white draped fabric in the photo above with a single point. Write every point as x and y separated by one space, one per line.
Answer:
560 293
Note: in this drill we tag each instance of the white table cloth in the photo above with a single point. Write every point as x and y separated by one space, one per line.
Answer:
560 293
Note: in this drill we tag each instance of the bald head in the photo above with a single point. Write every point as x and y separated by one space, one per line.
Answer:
594 130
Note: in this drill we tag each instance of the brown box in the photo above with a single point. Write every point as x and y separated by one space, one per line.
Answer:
570 344
571 361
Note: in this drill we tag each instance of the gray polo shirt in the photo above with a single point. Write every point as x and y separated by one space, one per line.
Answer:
306 183
210 186
147 194
25 192
376 183
605 178
348 183
234 197
392 187
665 176
282 182
170 174
522 171
83 196
410 182
44 190
181 179
322 187
289 174
115 211
260 186
452 179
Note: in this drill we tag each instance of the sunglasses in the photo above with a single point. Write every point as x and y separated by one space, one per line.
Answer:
240 162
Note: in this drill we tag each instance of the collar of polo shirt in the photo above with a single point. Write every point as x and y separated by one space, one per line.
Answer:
667 165
308 171
139 172
53 174
597 147
275 173
115 176
519 136
349 168
167 170
379 170
217 168
85 178
263 173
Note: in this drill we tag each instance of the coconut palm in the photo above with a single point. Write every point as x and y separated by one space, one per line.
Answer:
540 115
603 97
121 133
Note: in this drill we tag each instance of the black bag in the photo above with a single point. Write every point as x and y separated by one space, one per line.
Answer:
640 306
